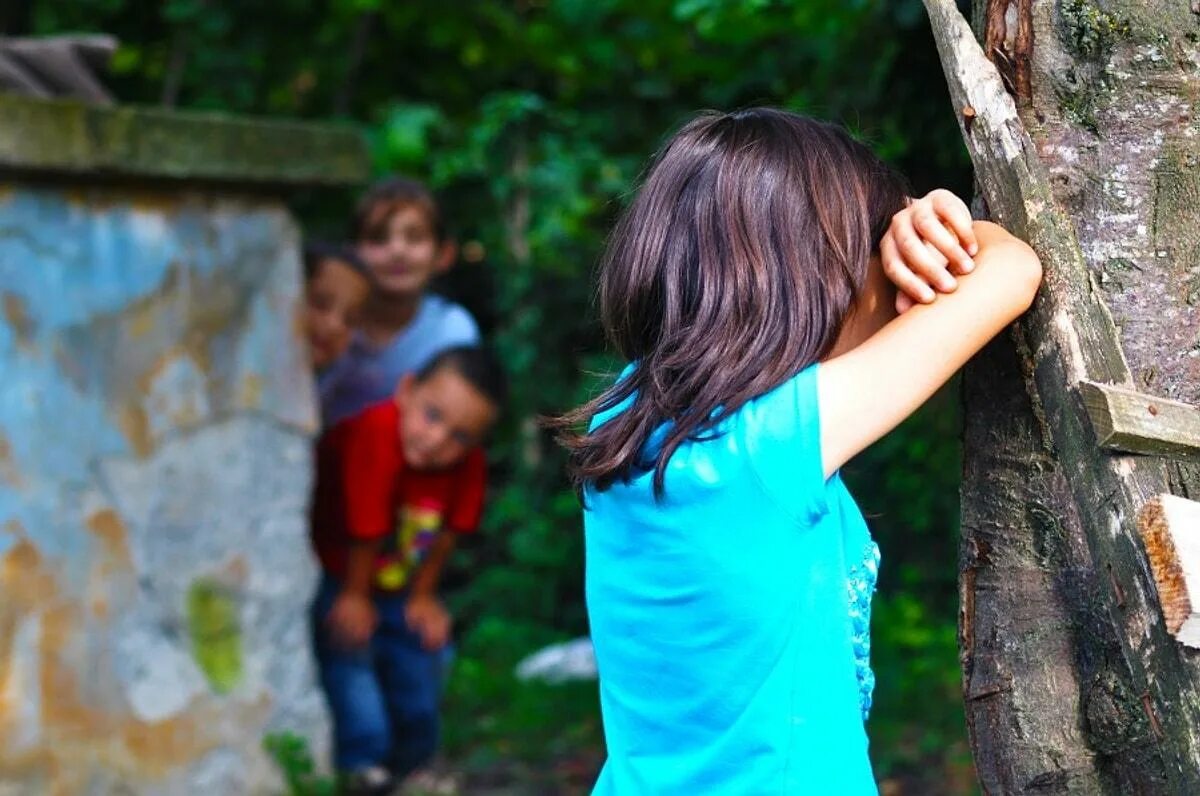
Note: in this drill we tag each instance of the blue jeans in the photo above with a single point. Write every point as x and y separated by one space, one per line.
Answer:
383 697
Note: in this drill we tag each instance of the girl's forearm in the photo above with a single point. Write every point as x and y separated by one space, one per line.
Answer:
868 391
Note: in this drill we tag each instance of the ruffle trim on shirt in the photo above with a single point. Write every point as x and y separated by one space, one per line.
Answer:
861 585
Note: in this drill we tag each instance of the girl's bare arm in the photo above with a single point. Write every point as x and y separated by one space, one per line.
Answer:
866 392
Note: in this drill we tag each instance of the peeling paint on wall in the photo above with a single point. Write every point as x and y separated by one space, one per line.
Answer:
154 469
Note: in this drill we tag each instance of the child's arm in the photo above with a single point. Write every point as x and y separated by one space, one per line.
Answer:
866 392
424 612
367 468
429 574
352 617
927 244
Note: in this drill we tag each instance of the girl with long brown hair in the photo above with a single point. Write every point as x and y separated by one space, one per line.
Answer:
752 287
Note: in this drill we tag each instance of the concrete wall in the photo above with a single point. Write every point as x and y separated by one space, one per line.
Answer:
155 424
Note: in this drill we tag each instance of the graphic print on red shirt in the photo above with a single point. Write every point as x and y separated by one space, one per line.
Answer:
364 491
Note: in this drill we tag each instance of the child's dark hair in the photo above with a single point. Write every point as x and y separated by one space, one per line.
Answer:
381 201
478 365
315 252
732 270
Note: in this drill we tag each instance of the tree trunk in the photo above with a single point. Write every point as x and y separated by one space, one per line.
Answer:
1083 131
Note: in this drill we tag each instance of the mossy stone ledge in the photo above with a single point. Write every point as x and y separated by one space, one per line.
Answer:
67 137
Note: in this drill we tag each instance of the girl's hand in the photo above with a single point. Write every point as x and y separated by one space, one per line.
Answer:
855 412
927 243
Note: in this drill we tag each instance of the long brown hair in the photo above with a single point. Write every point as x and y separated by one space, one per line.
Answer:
732 270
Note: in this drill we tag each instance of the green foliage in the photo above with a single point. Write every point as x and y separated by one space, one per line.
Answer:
533 119
292 757
509 716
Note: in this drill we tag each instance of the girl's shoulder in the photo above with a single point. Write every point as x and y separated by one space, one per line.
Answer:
792 403
782 443
774 440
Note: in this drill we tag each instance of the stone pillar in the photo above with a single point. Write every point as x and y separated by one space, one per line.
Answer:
156 414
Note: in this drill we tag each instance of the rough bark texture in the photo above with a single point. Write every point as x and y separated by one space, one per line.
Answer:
1072 683
1113 113
1011 528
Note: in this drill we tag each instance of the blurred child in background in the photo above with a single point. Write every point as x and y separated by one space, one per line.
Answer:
397 484
336 286
401 236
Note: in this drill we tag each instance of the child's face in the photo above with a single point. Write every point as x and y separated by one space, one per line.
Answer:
442 419
408 255
333 298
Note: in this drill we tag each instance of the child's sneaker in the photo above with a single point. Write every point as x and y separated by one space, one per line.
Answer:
369 781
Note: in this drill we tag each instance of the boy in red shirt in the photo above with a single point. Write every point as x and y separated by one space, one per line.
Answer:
396 486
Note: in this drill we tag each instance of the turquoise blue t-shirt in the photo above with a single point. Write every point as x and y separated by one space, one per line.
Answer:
730 621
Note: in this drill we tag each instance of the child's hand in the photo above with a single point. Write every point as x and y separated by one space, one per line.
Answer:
352 619
927 243
429 619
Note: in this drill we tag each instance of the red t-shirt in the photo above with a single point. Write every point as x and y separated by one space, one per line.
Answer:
365 491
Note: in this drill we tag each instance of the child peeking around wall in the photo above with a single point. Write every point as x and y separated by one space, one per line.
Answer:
336 286
400 233
396 486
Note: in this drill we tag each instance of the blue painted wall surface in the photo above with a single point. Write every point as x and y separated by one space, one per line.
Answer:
155 416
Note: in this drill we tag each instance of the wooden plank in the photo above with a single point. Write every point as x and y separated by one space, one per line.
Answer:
1133 422
1170 529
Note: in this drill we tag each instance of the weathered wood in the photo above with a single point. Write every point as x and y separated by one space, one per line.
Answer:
1133 422
1015 518
1128 719
1170 529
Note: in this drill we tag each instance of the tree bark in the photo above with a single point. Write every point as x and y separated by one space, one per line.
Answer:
1082 128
